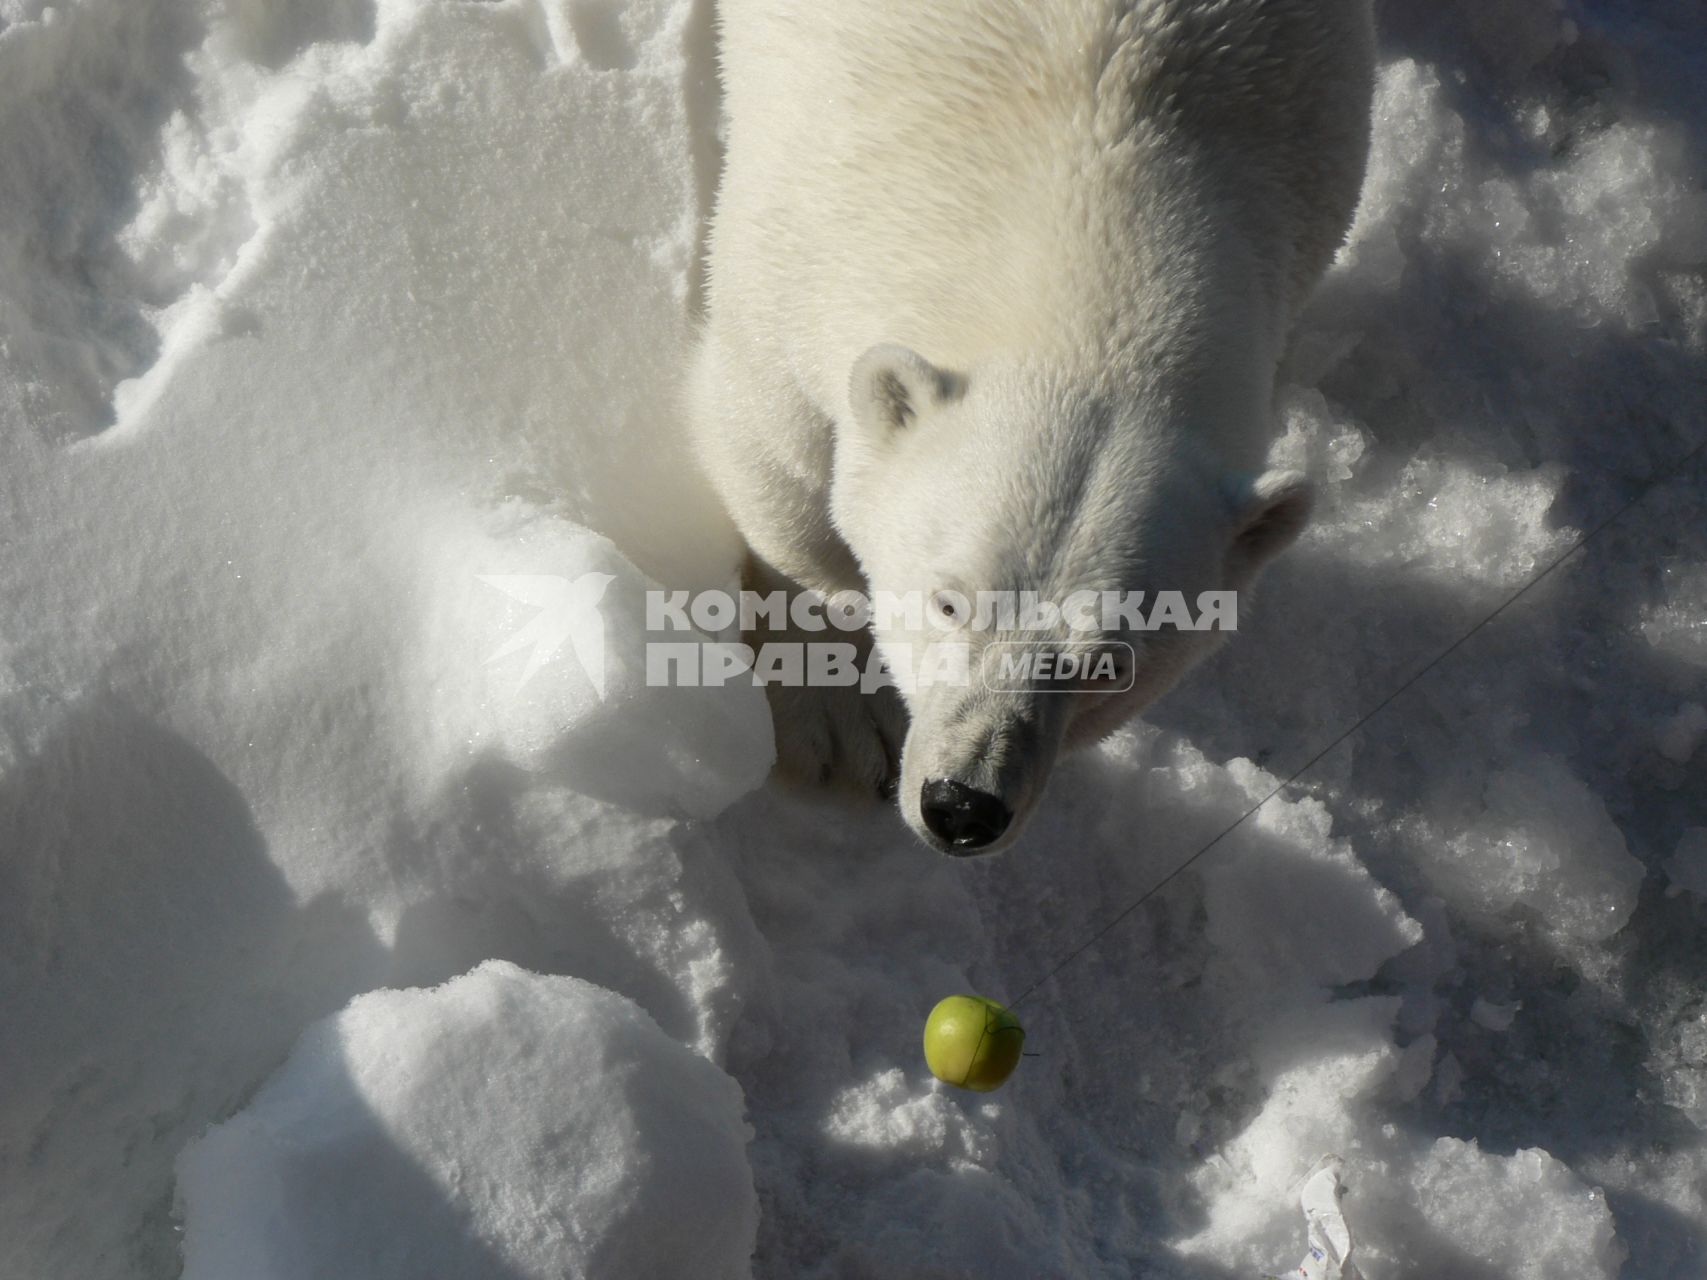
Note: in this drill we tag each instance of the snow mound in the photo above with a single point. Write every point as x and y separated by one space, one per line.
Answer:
550 671
504 1124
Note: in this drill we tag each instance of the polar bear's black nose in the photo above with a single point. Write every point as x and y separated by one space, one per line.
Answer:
964 819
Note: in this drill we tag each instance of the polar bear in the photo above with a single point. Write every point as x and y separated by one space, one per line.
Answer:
996 294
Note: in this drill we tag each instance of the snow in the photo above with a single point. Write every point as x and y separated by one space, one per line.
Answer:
1682 732
1545 842
338 346
521 1125
1686 869
1566 1233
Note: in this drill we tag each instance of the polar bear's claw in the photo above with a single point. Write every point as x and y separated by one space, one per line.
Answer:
839 737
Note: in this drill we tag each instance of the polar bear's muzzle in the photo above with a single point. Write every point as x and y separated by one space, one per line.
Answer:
973 770
965 819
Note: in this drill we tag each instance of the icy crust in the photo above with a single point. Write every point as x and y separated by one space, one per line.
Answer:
502 1124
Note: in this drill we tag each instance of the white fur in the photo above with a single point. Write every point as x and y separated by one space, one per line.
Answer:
997 292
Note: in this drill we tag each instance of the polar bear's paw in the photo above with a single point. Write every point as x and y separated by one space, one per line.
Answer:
839 737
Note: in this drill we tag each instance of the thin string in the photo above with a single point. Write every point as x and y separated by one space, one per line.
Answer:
1670 474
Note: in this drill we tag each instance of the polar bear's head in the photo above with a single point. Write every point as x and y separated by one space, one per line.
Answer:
1015 479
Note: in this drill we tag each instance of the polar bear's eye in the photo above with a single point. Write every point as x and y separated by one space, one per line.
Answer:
1112 672
950 607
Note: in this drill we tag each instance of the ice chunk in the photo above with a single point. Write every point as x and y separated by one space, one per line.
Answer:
1461 521
1545 841
1493 1015
1527 1216
1679 1063
502 1124
1314 440
1677 626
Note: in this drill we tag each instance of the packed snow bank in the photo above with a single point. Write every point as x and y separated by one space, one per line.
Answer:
503 1124
338 346
313 324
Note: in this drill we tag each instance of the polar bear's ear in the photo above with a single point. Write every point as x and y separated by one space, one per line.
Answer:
892 385
1271 512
